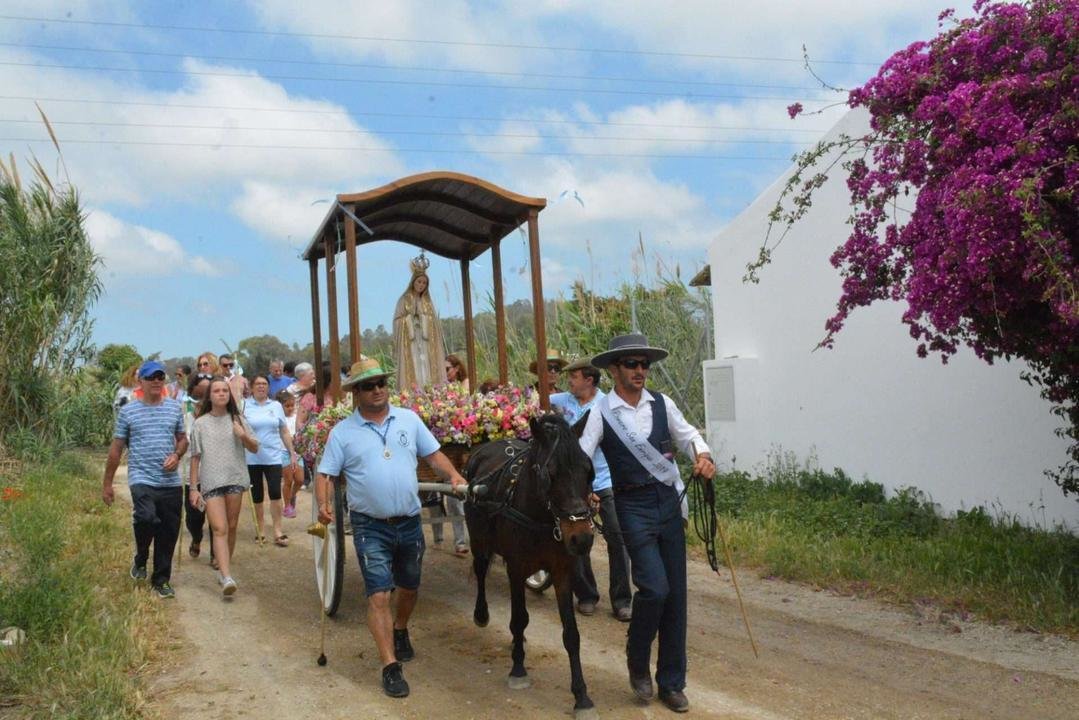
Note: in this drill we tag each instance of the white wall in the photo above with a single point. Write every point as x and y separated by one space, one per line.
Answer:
966 433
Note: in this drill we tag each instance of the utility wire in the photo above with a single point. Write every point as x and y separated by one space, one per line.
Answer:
422 133
411 116
408 68
441 151
386 81
427 41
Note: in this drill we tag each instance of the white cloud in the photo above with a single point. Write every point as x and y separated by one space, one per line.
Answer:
289 213
336 25
197 141
127 249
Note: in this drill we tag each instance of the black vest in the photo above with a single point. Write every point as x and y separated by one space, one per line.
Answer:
626 470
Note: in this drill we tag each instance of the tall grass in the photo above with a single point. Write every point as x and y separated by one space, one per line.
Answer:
48 283
63 563
802 523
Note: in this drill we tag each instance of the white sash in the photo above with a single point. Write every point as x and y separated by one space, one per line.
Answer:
646 454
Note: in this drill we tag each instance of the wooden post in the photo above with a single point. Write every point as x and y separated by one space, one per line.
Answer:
537 309
316 327
500 312
353 290
470 340
331 317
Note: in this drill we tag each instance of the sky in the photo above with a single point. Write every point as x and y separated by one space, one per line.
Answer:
206 138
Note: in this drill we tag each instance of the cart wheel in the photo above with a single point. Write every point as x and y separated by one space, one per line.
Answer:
335 554
540 581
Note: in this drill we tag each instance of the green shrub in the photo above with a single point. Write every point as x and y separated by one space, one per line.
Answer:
800 523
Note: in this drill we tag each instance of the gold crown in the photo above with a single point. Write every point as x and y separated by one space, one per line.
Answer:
419 264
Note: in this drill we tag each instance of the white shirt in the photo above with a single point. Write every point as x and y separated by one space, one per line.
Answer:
684 435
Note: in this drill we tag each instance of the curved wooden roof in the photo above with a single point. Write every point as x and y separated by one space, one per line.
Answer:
446 213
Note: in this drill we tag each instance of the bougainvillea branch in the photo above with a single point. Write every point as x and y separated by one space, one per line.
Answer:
979 127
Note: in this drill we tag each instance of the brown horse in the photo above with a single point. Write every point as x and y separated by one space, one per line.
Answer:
534 513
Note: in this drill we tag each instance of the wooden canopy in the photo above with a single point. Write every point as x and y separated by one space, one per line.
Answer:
445 213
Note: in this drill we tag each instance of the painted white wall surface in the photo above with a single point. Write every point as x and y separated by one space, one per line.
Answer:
966 433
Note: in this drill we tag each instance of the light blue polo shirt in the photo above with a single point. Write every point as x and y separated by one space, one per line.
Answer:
572 410
379 486
266 420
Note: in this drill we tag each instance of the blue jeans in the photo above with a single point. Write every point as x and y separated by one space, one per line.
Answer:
651 523
390 553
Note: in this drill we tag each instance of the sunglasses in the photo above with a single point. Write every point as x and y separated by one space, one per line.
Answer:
156 376
204 376
227 365
632 364
204 363
554 367
370 385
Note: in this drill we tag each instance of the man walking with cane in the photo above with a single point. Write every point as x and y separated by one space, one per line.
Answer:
638 431
152 429
374 452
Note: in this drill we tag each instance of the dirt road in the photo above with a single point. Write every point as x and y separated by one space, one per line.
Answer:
821 656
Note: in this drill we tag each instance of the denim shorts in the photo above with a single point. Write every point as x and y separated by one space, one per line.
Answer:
390 554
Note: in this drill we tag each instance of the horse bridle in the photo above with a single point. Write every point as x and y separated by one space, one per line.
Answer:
544 474
513 465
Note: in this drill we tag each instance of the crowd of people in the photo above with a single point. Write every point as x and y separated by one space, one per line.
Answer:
239 430
237 439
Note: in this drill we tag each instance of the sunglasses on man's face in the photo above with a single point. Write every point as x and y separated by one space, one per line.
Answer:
633 364
156 376
371 385
227 366
554 367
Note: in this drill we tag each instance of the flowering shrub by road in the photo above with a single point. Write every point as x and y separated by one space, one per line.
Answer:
981 123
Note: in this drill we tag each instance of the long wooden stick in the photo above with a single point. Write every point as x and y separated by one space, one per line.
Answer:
737 590
180 536
259 537
730 560
322 599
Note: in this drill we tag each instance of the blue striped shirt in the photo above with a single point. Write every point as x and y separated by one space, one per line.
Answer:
150 433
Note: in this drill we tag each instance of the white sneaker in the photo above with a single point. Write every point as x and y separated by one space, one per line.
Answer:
228 586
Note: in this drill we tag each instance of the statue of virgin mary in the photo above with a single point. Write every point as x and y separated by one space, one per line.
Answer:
419 350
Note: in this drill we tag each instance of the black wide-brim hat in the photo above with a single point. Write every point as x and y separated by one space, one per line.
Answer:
632 344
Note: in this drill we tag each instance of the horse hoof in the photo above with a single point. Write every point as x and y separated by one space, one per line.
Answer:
586 714
519 683
481 621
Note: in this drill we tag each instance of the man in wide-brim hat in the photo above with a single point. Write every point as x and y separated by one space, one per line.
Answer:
555 363
374 451
582 378
638 431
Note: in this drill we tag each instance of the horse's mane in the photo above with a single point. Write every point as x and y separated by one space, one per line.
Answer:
566 451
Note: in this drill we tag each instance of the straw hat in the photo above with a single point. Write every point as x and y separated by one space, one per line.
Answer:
364 369
552 356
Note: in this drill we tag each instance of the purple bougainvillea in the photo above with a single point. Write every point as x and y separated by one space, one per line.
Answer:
965 195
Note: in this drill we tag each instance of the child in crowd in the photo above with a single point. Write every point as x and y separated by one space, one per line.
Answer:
292 479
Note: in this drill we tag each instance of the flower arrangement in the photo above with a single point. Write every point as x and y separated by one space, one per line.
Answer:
453 416
456 417
311 439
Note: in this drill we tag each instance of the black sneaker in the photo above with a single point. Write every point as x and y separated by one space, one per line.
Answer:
393 681
402 647
138 573
165 591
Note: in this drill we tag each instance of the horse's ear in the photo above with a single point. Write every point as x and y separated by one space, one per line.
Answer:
535 426
578 427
